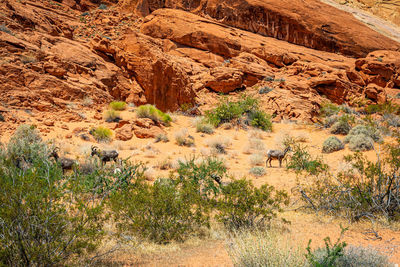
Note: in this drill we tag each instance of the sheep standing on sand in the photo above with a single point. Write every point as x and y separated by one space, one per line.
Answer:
105 155
276 154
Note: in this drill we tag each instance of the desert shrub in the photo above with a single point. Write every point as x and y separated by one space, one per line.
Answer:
341 255
385 108
118 105
340 127
255 144
346 109
362 256
26 143
101 134
151 112
329 121
368 189
391 120
47 218
256 159
329 255
360 142
246 110
111 179
397 96
257 171
329 109
364 130
203 177
332 144
183 138
301 160
261 248
259 119
265 90
219 144
102 7
202 126
162 137
112 116
161 212
242 205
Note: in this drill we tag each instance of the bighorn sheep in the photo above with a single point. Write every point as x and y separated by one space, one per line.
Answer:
105 155
66 163
276 154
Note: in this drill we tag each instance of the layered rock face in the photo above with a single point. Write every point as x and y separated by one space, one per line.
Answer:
53 54
308 23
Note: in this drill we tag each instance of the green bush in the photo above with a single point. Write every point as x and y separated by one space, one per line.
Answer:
242 205
151 112
161 212
2 119
246 110
259 119
342 126
332 144
367 189
385 108
118 105
47 218
26 144
112 116
327 256
101 134
170 209
203 177
301 160
257 171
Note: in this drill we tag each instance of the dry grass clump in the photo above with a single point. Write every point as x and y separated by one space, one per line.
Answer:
256 134
219 144
112 116
256 248
150 174
257 171
302 137
256 159
162 138
164 164
183 138
202 126
254 144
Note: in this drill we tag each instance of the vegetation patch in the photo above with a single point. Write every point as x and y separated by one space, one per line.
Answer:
301 160
112 116
118 105
257 171
151 112
332 144
101 134
241 112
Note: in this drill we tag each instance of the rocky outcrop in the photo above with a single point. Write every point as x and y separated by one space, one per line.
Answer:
311 24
